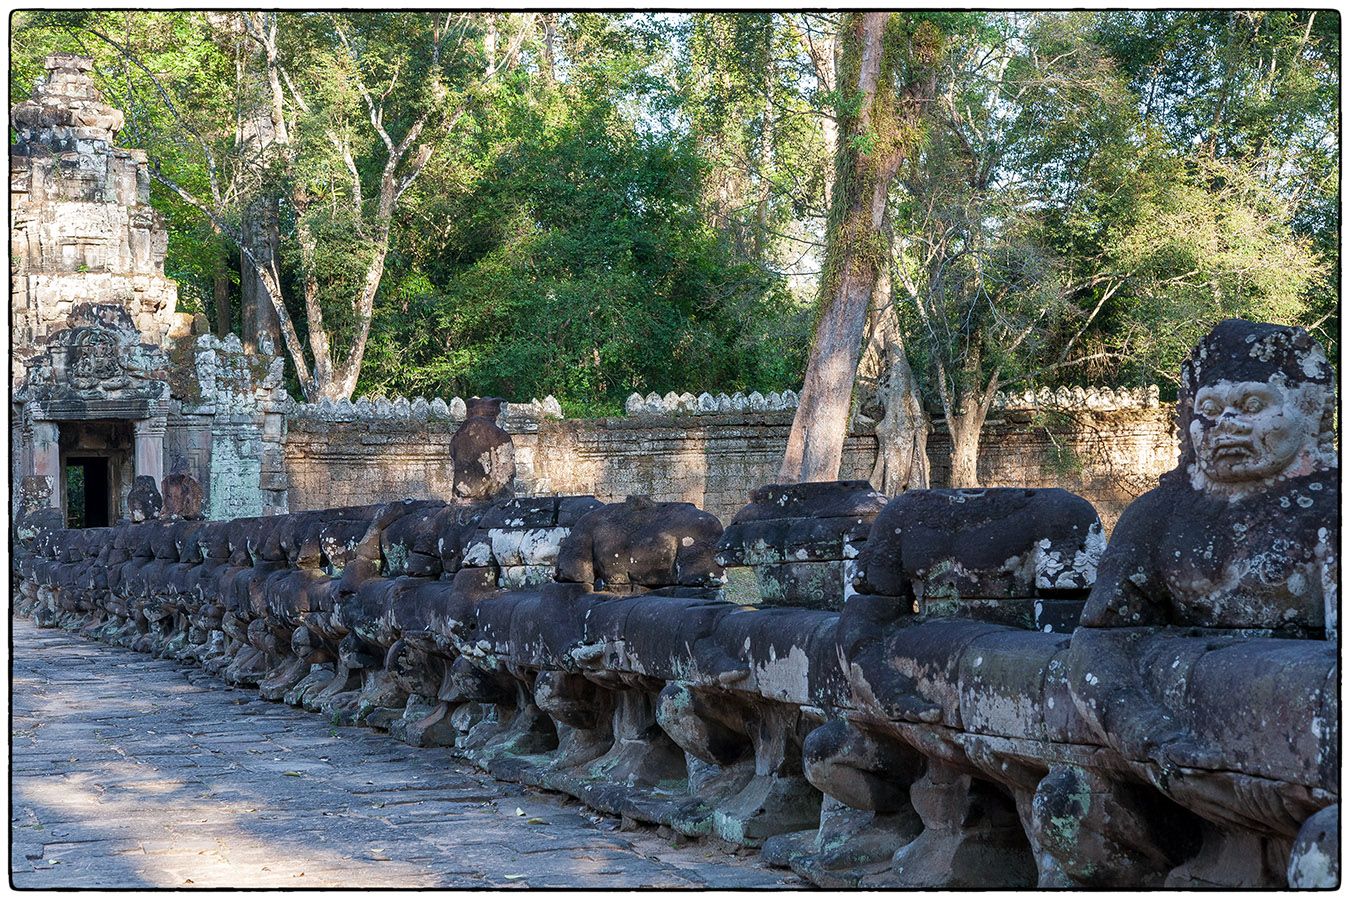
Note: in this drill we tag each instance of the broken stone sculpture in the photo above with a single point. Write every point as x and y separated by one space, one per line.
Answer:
144 502
482 453
918 710
182 496
802 540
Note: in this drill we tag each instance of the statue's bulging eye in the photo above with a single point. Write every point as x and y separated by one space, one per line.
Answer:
1209 408
1253 404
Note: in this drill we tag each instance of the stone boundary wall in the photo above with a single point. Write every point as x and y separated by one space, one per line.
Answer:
712 460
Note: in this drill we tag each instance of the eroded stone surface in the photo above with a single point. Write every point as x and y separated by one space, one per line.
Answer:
482 453
1219 572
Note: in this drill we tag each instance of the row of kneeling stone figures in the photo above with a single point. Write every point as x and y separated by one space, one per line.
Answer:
952 688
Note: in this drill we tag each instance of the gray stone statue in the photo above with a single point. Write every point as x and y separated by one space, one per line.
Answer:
1240 534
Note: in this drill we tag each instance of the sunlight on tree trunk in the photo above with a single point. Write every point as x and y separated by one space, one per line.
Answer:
965 432
881 135
259 320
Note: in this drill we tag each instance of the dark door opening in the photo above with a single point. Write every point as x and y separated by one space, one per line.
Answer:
88 492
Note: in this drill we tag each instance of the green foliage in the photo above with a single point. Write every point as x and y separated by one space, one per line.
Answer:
574 259
1257 92
637 202
1078 219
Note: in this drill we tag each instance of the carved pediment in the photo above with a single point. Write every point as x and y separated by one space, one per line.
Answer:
98 360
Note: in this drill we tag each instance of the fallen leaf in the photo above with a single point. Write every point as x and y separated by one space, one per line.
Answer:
535 820
519 811
292 774
513 877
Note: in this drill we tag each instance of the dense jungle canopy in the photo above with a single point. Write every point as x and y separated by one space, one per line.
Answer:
588 204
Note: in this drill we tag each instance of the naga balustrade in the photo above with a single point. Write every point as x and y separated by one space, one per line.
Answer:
937 727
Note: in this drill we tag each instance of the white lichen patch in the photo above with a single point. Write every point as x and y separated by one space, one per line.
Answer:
784 678
1055 569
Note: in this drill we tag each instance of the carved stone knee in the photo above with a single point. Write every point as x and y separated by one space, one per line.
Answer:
1107 833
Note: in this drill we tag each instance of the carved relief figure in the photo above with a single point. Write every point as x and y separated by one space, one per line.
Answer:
93 360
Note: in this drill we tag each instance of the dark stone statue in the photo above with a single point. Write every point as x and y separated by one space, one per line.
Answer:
182 496
144 502
1219 577
482 452
1242 535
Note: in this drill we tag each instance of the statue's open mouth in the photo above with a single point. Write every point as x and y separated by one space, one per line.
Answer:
1235 450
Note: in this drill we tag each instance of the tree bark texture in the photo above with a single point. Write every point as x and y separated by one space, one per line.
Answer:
902 433
871 148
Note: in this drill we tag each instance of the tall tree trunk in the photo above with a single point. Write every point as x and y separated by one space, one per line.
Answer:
856 248
220 289
965 422
261 130
765 156
965 431
550 55
259 321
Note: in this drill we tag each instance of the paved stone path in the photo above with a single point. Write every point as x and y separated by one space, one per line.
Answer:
128 771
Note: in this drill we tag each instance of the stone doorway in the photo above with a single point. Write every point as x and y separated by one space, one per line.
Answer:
96 471
89 496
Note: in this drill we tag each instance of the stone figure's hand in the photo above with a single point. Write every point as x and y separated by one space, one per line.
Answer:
1184 751
1140 736
913 708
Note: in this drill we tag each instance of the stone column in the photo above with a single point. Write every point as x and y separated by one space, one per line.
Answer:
46 456
150 448
272 480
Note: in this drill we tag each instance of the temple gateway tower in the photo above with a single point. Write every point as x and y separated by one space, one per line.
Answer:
108 380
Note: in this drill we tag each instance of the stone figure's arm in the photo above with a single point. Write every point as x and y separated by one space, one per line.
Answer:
1128 597
1108 688
576 556
1129 591
365 561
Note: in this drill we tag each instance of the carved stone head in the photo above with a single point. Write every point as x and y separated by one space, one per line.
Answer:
1256 404
182 496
